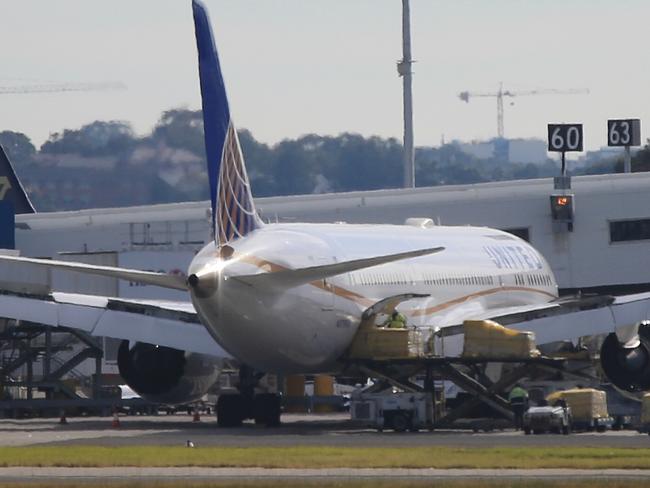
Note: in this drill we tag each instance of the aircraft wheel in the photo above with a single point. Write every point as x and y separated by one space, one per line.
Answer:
229 410
267 408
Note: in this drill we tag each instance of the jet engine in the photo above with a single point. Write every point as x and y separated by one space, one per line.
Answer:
626 360
165 375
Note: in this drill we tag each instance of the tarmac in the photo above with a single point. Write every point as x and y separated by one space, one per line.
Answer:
296 429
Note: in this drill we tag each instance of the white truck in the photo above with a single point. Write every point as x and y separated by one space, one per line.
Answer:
547 419
399 411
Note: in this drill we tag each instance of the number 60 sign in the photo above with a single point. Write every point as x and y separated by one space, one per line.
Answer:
564 137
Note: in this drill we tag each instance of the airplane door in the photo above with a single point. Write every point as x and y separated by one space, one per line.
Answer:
328 304
327 297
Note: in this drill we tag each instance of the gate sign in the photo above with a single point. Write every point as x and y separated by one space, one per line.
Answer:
564 137
624 132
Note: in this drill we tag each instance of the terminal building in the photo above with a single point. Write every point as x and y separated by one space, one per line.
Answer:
595 233
599 242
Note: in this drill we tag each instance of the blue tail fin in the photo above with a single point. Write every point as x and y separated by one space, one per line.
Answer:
233 210
10 188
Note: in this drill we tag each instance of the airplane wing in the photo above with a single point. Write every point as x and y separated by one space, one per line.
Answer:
570 318
581 317
163 323
147 277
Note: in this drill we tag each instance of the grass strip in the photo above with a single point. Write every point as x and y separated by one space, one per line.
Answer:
327 457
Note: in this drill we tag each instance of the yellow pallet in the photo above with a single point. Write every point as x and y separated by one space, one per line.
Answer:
485 338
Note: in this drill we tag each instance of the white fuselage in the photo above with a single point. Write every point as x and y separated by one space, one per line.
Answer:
307 328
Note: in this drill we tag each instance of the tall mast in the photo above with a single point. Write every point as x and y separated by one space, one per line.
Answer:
404 70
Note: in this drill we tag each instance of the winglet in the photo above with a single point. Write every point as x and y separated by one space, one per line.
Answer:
233 210
11 189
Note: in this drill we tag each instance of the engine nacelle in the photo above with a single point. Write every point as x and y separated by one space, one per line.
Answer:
627 365
165 375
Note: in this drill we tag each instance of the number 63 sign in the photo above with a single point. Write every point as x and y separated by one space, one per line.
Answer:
624 132
564 137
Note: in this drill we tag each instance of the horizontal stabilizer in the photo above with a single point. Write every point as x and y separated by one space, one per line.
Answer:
295 277
146 277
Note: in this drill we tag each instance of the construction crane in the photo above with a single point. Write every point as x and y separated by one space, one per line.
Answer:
465 96
61 87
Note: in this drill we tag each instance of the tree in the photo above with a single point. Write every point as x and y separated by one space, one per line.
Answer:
181 129
95 139
641 160
352 162
259 164
18 146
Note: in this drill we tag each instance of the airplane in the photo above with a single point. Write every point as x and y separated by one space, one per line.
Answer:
289 297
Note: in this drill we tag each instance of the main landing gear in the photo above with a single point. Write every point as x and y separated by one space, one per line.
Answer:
233 409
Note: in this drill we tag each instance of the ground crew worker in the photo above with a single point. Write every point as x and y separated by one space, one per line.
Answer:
518 399
397 320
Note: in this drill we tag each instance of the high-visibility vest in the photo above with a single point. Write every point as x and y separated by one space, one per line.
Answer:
517 395
398 322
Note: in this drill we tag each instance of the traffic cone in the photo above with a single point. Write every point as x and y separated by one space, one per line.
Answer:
62 419
116 420
197 416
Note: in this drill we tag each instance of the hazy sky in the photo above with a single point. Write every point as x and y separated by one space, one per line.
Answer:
328 66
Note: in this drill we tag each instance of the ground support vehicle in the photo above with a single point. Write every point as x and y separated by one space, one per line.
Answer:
399 411
395 358
547 419
588 408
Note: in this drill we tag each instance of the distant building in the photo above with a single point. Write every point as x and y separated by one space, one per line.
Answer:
508 150
602 154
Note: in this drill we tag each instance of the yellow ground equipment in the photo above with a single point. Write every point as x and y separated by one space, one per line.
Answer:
295 391
373 342
485 338
323 386
588 408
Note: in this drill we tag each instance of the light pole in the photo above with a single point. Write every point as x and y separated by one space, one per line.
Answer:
404 70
